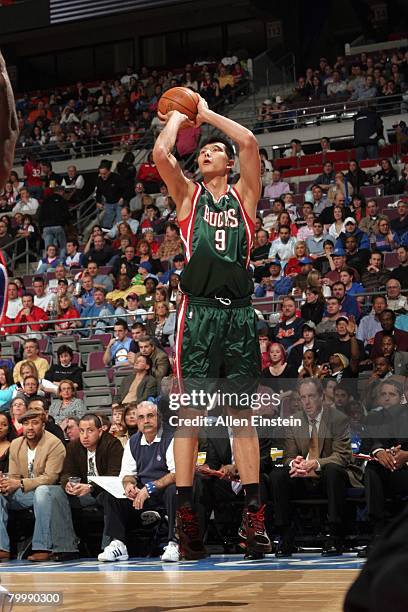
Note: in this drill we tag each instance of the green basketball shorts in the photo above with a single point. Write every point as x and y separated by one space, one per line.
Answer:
217 339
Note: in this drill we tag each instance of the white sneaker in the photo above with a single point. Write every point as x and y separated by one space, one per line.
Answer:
116 551
171 552
149 517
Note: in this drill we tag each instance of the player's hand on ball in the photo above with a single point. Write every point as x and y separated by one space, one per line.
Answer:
202 109
184 120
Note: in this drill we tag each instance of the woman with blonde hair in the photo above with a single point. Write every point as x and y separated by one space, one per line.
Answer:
315 281
67 405
293 267
155 327
65 313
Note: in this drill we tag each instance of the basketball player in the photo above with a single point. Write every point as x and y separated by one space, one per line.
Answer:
8 124
216 321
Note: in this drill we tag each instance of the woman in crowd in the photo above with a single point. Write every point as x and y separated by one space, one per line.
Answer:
337 226
313 308
124 231
67 405
118 427
278 374
18 407
144 255
352 287
155 326
28 368
130 418
356 177
293 267
66 313
358 207
283 219
386 240
7 387
342 186
6 436
309 367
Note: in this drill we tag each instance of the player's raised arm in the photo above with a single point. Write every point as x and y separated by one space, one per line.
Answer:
180 188
8 124
249 184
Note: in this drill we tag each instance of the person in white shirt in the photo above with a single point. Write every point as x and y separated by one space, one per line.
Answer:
295 149
130 74
42 299
14 303
26 204
284 246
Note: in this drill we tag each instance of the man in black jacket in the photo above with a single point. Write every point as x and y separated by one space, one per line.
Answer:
109 194
387 442
308 341
96 453
53 215
368 129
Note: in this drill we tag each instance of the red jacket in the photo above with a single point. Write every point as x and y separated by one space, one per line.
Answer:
65 319
21 320
148 172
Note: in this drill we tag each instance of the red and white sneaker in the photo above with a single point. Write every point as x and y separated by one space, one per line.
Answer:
190 542
252 531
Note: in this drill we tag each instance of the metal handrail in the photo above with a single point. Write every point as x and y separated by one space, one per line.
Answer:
13 259
295 115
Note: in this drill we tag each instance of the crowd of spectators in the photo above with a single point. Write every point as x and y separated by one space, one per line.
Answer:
117 114
332 274
357 79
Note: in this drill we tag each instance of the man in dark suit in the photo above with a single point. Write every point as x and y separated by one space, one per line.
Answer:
219 494
318 461
387 442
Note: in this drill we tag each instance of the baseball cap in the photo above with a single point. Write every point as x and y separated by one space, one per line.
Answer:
153 277
342 318
309 324
146 265
305 260
350 220
132 295
276 262
339 252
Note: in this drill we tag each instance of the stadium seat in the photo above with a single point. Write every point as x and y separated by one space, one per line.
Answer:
44 345
95 379
98 400
7 350
264 204
95 361
316 159
61 340
86 347
285 162
119 374
391 260
104 338
337 156
370 191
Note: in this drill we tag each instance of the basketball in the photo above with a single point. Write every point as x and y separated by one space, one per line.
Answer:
181 99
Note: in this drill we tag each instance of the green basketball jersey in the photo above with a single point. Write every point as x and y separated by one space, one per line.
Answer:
217 236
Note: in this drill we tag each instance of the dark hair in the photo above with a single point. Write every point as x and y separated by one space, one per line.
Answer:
11 434
74 242
381 297
343 386
377 253
91 416
38 398
39 279
64 348
215 139
8 375
138 325
389 311
339 283
148 360
122 323
284 227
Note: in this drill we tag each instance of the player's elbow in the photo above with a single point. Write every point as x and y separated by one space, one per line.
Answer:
249 141
160 153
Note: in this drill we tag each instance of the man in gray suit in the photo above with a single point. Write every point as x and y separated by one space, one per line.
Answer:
318 462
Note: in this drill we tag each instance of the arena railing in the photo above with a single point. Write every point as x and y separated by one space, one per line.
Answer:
312 114
17 252
272 306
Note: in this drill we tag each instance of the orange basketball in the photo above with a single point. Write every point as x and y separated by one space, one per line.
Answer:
181 99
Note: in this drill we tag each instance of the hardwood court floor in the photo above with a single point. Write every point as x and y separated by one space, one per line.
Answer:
120 588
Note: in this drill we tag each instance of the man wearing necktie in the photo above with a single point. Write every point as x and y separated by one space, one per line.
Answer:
318 463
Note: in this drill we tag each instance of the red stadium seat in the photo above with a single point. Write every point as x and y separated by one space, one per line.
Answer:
311 160
285 162
369 163
391 260
95 361
341 167
264 204
369 191
337 156
104 338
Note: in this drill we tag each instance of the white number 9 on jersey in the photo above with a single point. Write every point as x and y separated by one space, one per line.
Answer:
220 240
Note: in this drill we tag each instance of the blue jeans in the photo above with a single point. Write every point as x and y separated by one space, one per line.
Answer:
367 152
51 529
111 215
54 234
